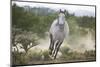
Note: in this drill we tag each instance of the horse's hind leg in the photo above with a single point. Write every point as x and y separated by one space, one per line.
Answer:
51 45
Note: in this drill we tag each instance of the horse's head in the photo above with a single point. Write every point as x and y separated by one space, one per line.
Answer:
61 17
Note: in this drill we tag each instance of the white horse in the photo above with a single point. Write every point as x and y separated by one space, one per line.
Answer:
58 31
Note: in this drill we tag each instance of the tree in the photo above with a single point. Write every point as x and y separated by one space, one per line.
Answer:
27 40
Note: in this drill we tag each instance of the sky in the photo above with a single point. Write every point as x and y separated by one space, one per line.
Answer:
77 9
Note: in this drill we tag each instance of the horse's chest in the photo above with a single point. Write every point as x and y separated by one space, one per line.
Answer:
59 34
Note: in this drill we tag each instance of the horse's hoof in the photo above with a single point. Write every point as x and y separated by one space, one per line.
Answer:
51 57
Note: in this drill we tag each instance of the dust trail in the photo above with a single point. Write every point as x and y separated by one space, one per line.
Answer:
79 44
43 43
82 43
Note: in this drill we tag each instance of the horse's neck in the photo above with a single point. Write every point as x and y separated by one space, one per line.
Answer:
57 22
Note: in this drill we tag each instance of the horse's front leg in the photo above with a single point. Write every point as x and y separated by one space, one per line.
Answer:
57 49
54 48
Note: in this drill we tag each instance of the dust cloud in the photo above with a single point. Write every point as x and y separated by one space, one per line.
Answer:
79 44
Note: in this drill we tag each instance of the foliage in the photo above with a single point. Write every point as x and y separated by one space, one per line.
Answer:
87 22
43 57
26 39
68 54
28 21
